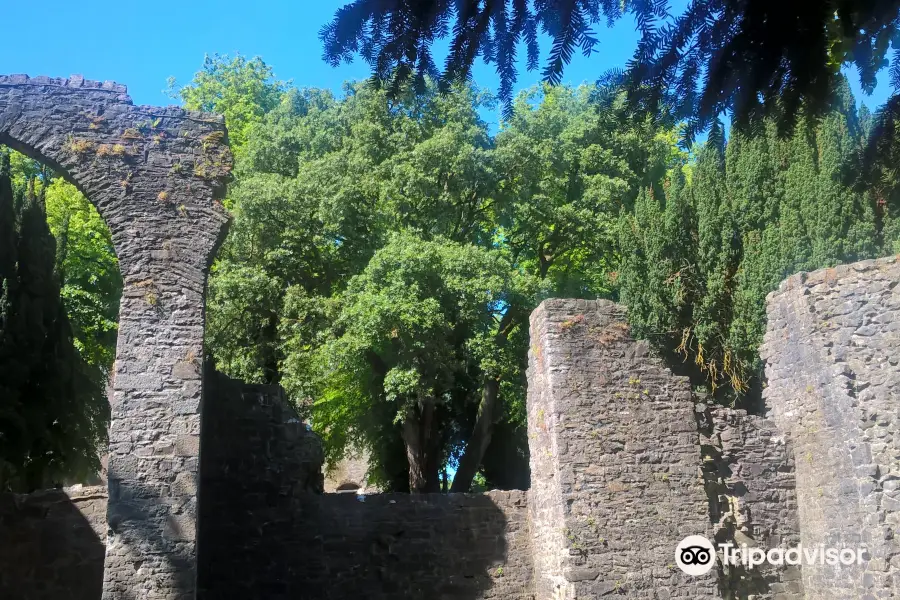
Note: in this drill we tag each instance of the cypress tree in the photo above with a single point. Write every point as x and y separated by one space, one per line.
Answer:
844 229
11 425
657 241
718 244
752 187
762 207
53 415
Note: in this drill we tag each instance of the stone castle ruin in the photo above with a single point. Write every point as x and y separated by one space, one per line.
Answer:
626 459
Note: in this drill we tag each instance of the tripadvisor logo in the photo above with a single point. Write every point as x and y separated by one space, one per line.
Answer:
696 555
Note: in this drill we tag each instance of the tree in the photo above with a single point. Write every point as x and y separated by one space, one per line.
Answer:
11 422
53 419
334 200
761 208
87 268
568 162
241 89
322 187
754 58
416 328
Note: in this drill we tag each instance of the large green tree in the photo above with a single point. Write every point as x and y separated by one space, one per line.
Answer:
322 285
241 89
418 341
322 187
327 188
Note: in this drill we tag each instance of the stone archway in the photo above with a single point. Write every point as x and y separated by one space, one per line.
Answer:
154 175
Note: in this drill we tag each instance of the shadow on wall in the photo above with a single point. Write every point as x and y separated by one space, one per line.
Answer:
256 455
411 547
267 532
133 520
390 546
52 544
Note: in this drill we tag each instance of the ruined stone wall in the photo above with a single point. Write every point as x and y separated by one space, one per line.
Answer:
615 456
154 175
831 352
332 546
401 546
52 544
257 457
626 461
749 471
267 532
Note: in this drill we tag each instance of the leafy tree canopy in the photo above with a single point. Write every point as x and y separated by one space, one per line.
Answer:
241 89
387 250
386 253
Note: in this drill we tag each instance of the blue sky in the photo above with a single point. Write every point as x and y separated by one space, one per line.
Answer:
142 44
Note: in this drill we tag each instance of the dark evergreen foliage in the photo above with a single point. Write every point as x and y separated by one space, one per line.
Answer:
395 37
752 58
52 414
699 259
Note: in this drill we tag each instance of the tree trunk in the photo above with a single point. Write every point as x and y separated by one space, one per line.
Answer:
480 439
488 413
418 430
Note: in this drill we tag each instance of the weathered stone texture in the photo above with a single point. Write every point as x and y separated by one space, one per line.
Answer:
154 175
615 457
257 457
349 475
401 546
267 532
749 471
52 544
831 352
392 546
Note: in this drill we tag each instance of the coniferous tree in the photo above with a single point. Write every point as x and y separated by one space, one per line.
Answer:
658 253
754 58
53 416
762 207
11 426
717 257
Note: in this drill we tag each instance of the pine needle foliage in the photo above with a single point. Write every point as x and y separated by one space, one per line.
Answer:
755 59
396 36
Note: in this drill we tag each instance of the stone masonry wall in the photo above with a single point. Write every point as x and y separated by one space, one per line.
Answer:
625 463
350 472
749 472
154 175
615 459
831 352
268 533
401 546
257 456
52 544
332 546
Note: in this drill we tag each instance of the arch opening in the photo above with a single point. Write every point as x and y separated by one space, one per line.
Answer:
60 307
347 487
155 176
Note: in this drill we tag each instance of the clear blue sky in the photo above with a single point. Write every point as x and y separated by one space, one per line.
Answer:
142 44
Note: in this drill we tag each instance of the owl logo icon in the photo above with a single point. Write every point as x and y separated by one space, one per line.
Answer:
695 555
